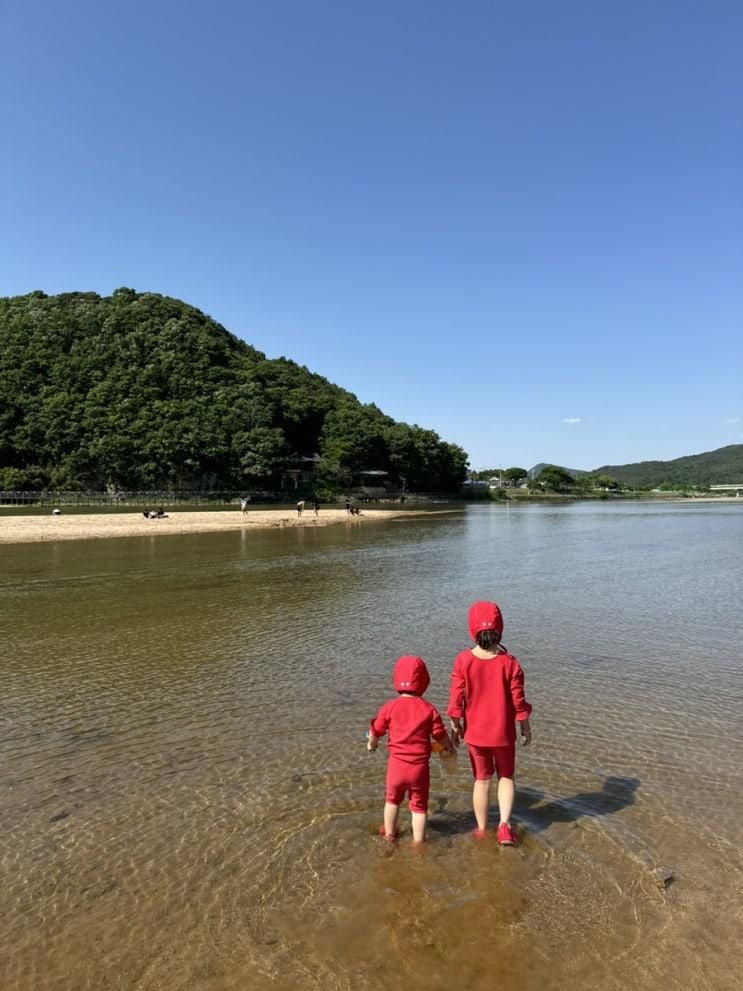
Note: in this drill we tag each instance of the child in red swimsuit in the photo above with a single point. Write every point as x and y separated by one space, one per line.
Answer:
411 721
485 700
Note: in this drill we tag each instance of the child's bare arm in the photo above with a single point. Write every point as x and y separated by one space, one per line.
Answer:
372 741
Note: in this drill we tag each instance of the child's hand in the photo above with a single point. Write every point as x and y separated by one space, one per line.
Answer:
457 732
525 731
372 742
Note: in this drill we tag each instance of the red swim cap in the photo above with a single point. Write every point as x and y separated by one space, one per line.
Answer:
410 674
485 616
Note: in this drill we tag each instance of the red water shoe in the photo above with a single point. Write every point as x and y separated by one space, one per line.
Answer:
506 836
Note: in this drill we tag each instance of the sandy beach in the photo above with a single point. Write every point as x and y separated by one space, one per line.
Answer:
98 526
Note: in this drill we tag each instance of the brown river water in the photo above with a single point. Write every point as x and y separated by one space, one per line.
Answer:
186 801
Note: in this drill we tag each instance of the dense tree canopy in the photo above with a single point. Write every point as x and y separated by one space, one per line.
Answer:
513 475
552 478
138 390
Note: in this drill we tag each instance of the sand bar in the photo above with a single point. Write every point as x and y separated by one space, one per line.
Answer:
97 526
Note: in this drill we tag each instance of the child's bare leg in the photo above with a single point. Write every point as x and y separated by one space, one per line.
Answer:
481 802
391 813
506 796
419 826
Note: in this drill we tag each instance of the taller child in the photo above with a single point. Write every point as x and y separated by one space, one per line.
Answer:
486 699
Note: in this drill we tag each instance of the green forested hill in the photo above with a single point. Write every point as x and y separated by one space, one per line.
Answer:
137 390
725 465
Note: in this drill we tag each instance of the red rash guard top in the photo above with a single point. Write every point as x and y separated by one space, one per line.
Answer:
489 693
411 722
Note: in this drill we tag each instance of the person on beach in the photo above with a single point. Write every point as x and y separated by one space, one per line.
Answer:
244 505
300 507
486 698
316 507
411 722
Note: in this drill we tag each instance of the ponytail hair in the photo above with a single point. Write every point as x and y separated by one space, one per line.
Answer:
488 640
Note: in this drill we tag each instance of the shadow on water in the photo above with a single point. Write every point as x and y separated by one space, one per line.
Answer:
538 815
615 794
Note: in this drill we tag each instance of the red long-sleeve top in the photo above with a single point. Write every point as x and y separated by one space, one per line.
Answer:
489 693
411 722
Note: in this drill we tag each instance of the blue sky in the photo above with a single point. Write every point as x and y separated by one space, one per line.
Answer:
518 224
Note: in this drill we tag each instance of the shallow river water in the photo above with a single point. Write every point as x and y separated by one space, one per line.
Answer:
186 801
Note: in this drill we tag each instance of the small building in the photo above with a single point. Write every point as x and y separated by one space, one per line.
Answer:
302 468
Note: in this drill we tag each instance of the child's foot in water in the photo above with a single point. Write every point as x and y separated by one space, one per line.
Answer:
506 836
389 837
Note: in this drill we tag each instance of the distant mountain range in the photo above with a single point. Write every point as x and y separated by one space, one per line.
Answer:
719 467
725 465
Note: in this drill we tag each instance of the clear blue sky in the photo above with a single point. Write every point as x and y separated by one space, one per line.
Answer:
520 224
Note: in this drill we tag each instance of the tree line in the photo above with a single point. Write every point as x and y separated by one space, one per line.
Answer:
550 478
694 472
142 391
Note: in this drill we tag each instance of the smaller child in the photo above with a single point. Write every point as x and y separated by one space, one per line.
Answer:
411 721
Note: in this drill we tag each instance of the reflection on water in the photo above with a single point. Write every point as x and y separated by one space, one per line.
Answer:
187 802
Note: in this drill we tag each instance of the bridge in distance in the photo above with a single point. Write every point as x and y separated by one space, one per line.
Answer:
738 489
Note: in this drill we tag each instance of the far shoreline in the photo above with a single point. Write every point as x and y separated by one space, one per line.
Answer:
105 526
24 528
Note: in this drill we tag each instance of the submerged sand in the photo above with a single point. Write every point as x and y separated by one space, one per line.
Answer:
97 526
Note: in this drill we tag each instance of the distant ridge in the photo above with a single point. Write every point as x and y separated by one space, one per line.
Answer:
575 472
719 467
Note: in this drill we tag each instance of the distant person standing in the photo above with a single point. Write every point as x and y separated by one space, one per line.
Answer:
348 505
244 505
316 506
300 507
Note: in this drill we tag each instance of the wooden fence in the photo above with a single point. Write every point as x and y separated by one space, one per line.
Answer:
139 498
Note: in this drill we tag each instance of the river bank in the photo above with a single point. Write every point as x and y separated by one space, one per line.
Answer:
100 526
523 496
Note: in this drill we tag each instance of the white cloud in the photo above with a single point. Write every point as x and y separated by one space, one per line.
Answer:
571 419
732 419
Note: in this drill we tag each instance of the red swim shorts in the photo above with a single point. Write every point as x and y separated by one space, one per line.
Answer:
412 779
487 761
